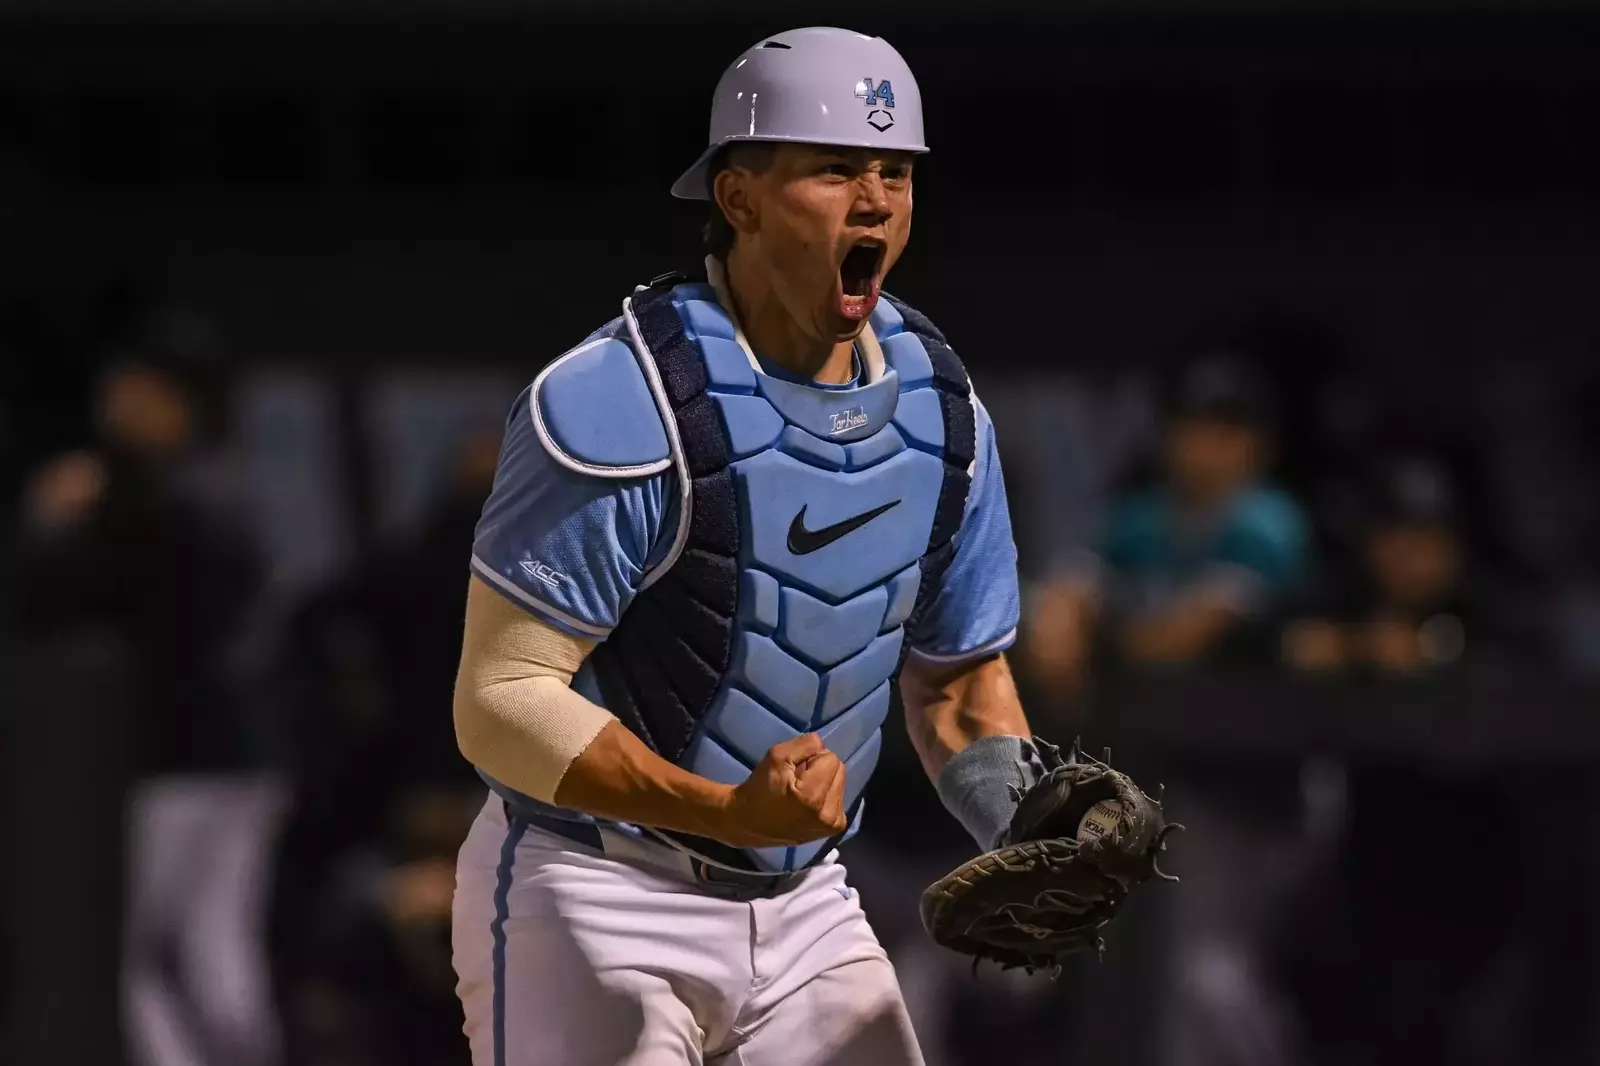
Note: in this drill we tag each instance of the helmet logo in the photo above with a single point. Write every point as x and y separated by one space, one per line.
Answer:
880 96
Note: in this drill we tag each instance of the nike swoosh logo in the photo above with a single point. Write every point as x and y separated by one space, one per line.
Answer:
803 541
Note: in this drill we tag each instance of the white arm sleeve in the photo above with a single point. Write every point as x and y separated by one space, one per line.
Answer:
517 718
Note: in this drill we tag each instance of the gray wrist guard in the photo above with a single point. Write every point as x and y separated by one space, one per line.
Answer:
976 785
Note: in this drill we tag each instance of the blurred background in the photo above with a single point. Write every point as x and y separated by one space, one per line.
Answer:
1288 318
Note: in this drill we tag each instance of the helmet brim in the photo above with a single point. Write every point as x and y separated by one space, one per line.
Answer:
692 184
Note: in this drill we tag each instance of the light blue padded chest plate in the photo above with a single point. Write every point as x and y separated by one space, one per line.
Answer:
905 353
836 494
821 606
595 413
886 319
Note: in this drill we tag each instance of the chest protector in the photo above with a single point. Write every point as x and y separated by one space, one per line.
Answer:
814 531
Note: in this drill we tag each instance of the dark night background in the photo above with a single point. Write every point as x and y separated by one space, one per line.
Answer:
270 275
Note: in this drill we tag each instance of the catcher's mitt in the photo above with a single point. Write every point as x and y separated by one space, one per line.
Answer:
1079 840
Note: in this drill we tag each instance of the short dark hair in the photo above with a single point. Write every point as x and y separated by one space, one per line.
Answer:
755 156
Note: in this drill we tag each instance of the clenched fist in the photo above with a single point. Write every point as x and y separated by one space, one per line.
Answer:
794 795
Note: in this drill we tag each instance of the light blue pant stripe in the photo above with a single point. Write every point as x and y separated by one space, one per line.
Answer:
497 929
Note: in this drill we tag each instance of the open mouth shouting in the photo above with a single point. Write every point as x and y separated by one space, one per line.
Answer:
861 278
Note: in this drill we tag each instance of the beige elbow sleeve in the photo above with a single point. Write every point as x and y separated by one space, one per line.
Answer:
516 715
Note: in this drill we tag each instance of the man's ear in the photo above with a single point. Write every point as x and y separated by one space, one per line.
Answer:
734 193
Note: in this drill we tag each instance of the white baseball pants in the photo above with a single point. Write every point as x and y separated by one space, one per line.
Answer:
569 957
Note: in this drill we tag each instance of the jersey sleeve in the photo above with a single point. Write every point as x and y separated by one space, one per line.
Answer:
572 548
975 611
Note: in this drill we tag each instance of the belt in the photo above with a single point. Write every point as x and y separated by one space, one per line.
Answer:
654 853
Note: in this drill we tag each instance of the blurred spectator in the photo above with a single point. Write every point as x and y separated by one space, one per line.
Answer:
383 799
1196 570
120 534
1407 606
1189 569
120 540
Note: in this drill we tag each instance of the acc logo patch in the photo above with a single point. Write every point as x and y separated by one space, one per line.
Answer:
543 572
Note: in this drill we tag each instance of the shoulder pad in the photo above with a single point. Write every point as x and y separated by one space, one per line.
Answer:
595 413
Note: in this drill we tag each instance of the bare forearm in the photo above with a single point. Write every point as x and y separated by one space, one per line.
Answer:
947 709
619 778
968 729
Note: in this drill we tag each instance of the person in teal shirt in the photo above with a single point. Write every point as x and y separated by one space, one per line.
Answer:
1207 554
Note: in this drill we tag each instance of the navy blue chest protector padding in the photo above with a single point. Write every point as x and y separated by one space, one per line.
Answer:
661 668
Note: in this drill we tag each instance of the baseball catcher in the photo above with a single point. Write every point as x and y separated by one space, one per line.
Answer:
1081 837
725 529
